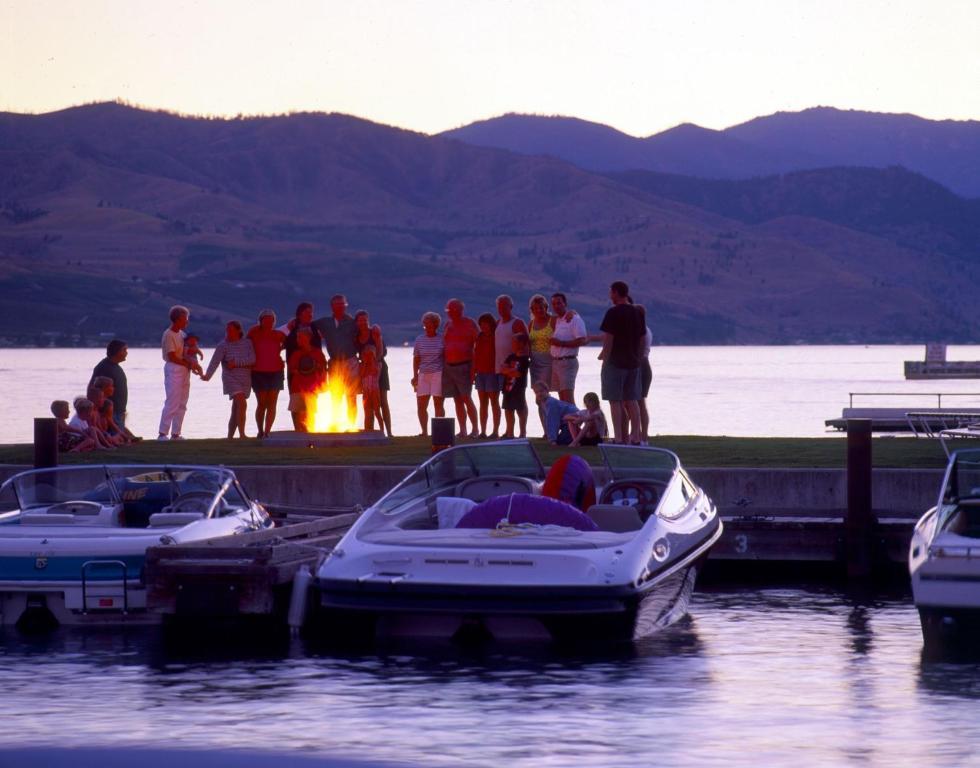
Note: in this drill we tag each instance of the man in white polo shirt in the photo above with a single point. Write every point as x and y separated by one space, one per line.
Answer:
568 336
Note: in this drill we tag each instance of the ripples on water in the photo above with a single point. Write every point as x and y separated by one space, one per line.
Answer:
761 676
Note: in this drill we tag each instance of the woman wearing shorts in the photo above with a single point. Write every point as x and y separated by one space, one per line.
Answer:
267 373
540 328
428 357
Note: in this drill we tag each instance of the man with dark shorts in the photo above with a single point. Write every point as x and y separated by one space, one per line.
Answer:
339 333
111 366
459 368
623 330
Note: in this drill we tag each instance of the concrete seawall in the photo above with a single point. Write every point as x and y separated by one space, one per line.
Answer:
745 491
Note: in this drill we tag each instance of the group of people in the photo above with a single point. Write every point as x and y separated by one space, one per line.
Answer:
500 355
269 358
99 420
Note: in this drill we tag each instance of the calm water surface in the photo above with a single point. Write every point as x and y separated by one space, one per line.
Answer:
748 391
768 677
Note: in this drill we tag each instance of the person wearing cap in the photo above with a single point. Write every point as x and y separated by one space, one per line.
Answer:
339 333
176 375
267 372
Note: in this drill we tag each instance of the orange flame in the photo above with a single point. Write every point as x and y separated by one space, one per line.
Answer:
328 409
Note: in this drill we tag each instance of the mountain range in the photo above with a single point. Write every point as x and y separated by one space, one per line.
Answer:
947 151
109 214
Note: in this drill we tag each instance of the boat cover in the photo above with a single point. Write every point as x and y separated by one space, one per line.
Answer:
517 508
570 480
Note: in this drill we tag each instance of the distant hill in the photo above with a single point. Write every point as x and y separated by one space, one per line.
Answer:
893 203
946 151
109 214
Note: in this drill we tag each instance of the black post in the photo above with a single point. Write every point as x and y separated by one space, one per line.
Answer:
443 429
859 524
45 443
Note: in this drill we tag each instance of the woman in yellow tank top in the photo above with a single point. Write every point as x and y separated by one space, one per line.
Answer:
540 328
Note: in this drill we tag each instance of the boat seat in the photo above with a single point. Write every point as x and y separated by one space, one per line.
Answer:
617 518
174 519
486 487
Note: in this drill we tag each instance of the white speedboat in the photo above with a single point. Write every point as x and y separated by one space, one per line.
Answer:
431 558
73 539
944 557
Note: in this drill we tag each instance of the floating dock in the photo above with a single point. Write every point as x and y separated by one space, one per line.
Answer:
250 574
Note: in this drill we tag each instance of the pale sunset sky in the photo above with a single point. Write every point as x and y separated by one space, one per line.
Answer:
430 65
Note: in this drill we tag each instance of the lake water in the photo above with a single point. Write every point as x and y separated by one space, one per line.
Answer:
754 676
746 391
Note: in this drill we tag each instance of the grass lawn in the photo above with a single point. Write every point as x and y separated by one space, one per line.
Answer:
409 451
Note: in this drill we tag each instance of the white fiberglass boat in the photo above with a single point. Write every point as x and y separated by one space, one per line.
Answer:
944 557
73 539
471 543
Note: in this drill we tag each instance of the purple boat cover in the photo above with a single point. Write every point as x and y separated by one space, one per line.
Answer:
525 508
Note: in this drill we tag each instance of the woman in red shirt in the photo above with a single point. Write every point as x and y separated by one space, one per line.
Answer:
267 373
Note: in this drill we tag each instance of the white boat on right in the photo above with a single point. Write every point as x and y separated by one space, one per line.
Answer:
944 556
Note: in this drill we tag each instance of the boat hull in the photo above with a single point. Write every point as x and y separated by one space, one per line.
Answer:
462 612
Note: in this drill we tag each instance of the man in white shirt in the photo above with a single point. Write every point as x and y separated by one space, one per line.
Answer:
176 375
568 336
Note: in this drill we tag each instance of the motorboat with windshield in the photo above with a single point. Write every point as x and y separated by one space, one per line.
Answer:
73 539
480 541
944 556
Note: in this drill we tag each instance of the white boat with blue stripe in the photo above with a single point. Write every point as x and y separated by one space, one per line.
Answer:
73 539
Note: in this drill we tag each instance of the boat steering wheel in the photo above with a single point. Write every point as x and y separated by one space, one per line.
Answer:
632 493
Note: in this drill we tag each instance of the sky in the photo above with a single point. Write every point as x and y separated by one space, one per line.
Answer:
432 65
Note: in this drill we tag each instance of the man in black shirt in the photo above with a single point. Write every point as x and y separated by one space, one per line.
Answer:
623 329
115 353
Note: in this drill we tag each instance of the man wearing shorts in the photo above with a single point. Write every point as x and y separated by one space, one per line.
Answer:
459 335
622 329
568 336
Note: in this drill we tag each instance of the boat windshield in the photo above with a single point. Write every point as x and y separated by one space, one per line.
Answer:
630 461
963 477
448 468
157 486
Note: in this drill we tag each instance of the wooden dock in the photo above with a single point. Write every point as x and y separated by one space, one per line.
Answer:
249 574
785 538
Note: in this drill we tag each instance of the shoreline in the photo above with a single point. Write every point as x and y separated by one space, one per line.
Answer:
694 451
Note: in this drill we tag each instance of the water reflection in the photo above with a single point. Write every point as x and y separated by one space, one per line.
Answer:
755 676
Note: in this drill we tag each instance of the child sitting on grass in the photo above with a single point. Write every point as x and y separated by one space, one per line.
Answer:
369 372
514 371
307 368
97 396
70 439
84 421
107 411
588 426
553 413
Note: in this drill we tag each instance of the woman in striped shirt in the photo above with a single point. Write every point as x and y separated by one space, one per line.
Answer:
236 356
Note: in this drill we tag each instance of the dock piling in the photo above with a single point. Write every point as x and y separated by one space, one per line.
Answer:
859 521
45 443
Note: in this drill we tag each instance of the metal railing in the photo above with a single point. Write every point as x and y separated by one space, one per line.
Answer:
938 395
